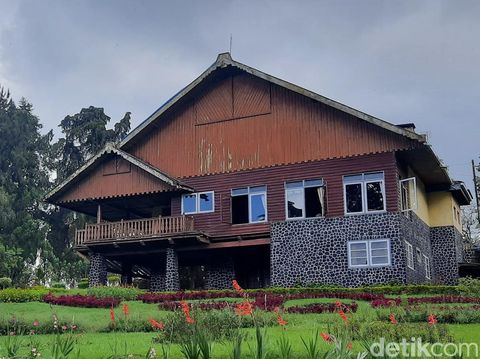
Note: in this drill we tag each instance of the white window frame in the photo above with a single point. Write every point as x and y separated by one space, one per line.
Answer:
410 257
363 184
428 269
369 254
304 214
411 190
197 202
250 194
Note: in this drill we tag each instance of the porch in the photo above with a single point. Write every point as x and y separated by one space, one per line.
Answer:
133 229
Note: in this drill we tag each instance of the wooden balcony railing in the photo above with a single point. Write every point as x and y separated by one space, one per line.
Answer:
133 229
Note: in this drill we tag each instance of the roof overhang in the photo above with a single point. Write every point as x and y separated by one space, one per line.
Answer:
224 60
108 150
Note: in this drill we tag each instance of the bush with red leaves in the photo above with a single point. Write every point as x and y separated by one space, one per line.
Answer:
322 308
443 299
386 302
85 301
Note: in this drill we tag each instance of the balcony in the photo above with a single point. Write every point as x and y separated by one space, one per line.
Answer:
133 229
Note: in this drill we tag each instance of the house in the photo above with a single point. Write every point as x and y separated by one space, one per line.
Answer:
243 175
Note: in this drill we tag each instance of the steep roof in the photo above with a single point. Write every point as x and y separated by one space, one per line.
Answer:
111 149
224 60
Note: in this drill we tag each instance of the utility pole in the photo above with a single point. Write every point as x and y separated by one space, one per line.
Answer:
475 186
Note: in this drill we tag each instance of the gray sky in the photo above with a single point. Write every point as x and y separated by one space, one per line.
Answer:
403 61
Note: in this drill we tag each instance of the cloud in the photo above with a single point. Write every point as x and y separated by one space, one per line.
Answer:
403 61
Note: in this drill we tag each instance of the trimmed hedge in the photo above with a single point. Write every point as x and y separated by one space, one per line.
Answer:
16 295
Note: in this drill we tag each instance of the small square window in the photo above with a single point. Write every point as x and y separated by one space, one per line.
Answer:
373 253
305 199
249 205
202 202
364 193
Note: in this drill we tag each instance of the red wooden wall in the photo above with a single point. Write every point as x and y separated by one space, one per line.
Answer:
217 223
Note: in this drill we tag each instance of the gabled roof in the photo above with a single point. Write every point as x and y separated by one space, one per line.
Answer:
111 149
224 60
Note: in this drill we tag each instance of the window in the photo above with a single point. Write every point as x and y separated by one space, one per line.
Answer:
202 202
374 253
305 199
364 193
419 255
409 249
249 205
408 194
428 273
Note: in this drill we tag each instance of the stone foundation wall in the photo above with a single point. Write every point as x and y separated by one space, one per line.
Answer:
97 274
220 275
447 252
417 233
172 277
157 282
314 251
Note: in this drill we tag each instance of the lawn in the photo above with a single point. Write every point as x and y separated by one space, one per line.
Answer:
94 342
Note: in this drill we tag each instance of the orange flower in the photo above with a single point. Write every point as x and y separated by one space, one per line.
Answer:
432 320
349 346
243 309
112 314
282 322
156 325
338 304
125 310
186 312
343 316
237 287
392 318
326 337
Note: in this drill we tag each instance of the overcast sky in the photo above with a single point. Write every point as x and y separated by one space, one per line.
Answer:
403 61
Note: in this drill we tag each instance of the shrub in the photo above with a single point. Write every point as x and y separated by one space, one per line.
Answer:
83 283
54 325
428 333
322 308
386 302
5 282
81 301
469 286
113 279
15 295
58 285
120 293
445 315
443 299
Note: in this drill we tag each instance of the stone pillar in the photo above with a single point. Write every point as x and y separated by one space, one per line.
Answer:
220 275
97 274
446 253
172 278
157 282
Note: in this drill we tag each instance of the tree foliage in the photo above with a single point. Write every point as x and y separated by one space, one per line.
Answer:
35 239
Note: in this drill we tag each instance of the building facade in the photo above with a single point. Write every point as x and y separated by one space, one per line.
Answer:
243 175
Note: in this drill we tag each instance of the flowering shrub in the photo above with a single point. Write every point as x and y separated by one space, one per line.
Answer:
202 306
321 308
121 293
16 326
81 301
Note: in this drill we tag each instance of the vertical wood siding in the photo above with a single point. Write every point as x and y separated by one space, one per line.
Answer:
217 223
242 122
112 178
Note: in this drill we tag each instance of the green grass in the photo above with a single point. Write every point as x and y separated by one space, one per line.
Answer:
94 344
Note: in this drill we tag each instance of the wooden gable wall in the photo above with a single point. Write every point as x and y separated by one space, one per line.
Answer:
242 122
111 178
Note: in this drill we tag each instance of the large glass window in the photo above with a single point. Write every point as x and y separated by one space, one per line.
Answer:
364 193
249 205
202 202
305 199
371 253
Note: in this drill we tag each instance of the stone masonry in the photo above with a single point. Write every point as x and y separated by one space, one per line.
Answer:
447 252
220 275
97 274
172 277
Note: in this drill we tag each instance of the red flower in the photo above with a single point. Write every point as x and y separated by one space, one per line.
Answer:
432 320
112 314
392 318
237 287
282 322
338 304
326 337
243 309
125 310
36 323
343 316
156 325
186 312
349 346
64 327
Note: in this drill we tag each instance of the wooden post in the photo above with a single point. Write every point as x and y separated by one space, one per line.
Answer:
99 213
